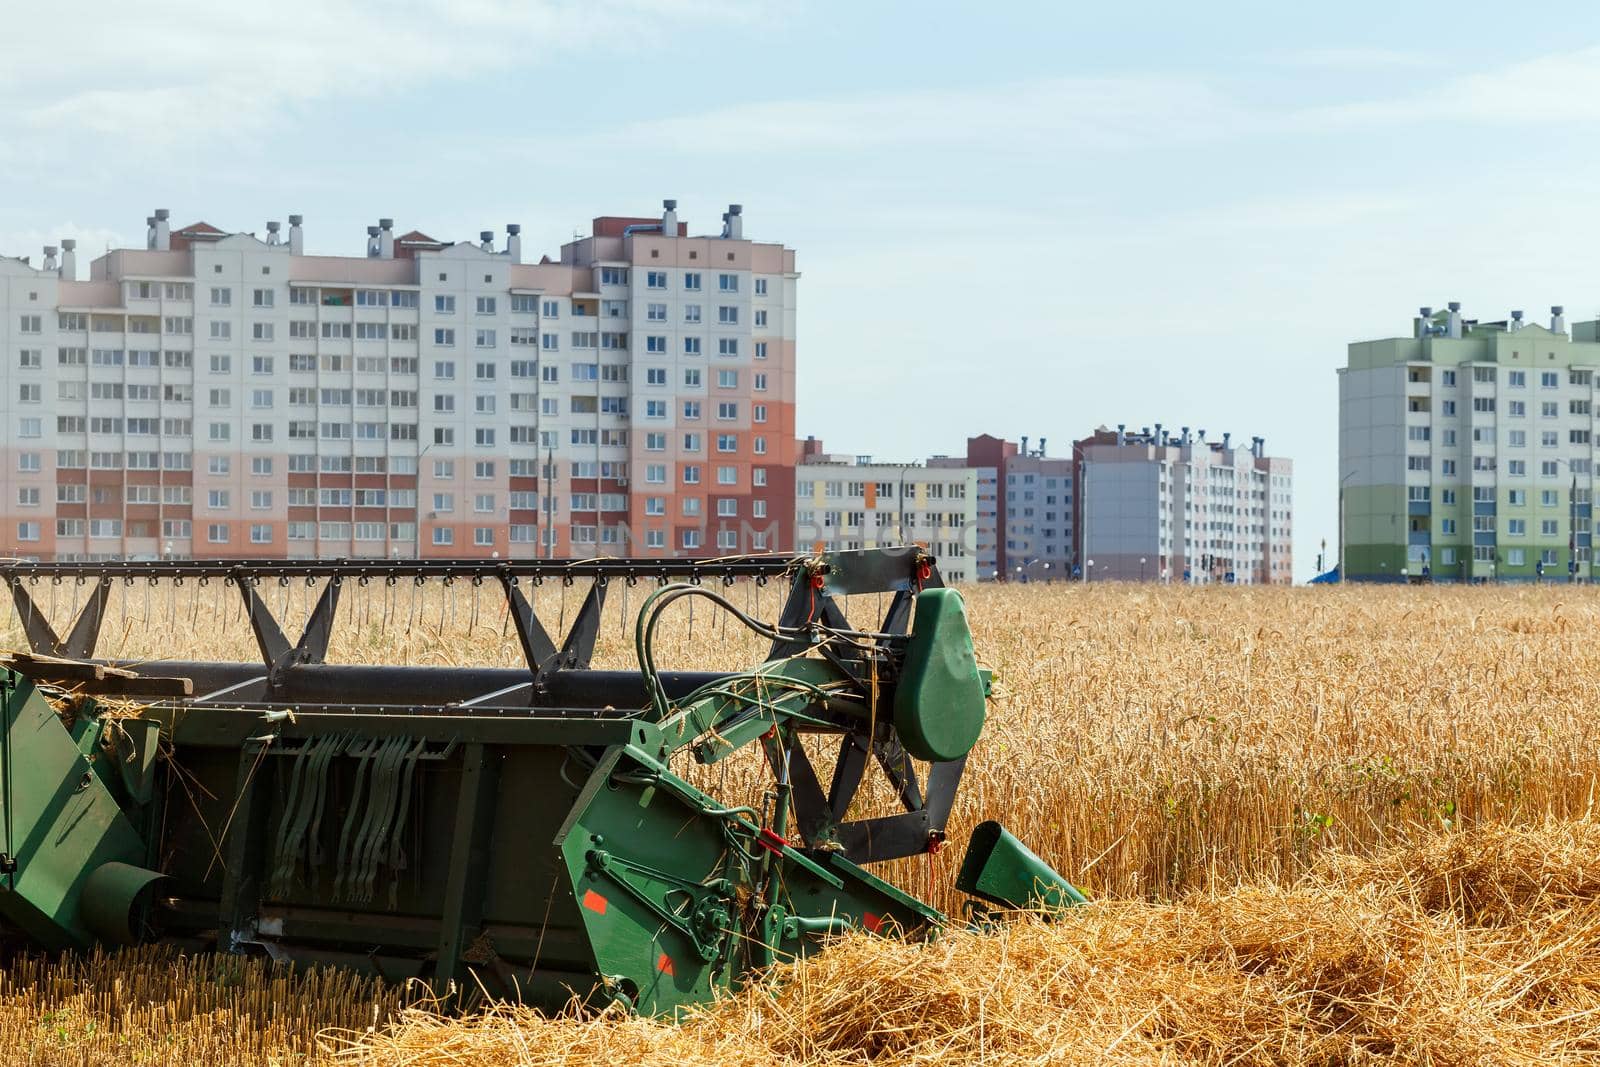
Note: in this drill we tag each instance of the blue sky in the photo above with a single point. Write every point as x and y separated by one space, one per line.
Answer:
1012 218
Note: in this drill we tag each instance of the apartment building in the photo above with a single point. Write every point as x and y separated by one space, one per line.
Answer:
852 502
229 395
1466 450
1157 505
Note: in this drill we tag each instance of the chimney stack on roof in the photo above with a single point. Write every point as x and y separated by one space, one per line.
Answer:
273 237
514 241
163 230
386 238
1558 319
297 237
669 218
69 259
373 244
50 258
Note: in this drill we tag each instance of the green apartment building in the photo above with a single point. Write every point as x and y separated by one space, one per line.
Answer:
1466 451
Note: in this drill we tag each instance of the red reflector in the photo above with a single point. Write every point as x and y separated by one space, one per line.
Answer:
594 902
872 922
664 964
770 841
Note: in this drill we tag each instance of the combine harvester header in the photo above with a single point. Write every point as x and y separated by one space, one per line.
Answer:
516 828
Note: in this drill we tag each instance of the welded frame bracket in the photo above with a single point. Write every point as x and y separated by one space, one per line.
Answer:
537 648
276 652
85 632
578 647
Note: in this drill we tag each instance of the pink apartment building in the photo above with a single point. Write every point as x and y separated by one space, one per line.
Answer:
227 395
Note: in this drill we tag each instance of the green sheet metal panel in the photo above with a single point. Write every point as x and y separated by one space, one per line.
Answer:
58 820
941 702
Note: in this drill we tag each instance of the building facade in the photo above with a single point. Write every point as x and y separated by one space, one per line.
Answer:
1466 450
224 395
1156 505
850 502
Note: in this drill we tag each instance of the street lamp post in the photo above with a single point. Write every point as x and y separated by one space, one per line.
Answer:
1142 562
1343 480
1088 569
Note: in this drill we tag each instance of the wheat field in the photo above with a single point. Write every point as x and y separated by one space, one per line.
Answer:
1320 826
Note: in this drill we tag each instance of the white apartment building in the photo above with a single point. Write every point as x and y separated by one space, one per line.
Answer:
228 395
850 502
1466 450
1161 506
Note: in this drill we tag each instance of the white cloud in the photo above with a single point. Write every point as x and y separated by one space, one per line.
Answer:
1359 58
1081 113
195 67
1559 88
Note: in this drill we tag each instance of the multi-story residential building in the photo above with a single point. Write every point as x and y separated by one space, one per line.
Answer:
851 502
229 395
983 537
1466 450
1175 507
1024 521
1037 495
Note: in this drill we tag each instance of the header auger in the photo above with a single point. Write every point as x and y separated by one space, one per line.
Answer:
524 824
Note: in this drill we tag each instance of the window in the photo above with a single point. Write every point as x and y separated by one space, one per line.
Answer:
655 344
727 409
759 413
443 535
728 316
484 339
728 346
617 276
761 318
691 313
486 305
444 337
656 279
691 474
729 379
728 283
1549 380
444 305
656 312
1517 379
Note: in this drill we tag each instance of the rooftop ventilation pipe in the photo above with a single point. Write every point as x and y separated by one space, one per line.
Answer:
486 240
1516 321
514 241
297 237
733 222
1122 433
1558 319
669 218
373 244
274 238
1453 328
386 238
163 230
69 259
50 258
